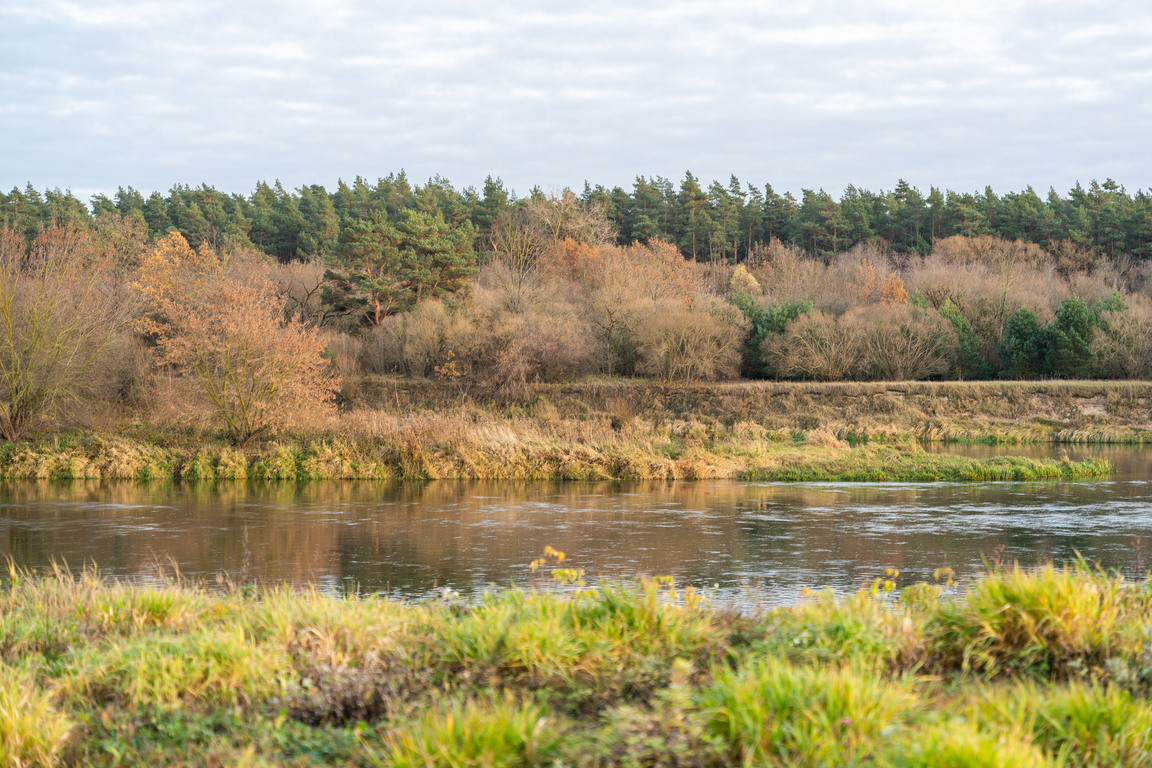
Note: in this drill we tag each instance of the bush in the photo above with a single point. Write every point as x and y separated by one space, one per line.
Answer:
507 351
1122 348
903 343
816 346
675 343
62 306
415 342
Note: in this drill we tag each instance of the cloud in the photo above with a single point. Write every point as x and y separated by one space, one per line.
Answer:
100 94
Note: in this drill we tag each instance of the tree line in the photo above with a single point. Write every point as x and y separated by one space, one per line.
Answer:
712 222
196 303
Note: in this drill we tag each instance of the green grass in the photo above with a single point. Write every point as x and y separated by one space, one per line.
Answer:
1043 668
740 452
881 463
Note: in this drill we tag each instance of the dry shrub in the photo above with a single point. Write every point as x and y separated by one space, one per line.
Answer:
615 287
517 287
1071 257
221 322
1122 347
1098 285
344 353
509 351
701 343
854 278
63 302
300 285
902 343
416 342
1003 258
785 274
815 346
126 373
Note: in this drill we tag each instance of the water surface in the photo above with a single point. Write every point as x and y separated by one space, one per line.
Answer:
755 541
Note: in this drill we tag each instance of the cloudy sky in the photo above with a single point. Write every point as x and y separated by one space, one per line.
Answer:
102 93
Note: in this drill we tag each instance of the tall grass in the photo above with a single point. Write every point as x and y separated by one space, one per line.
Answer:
1025 668
33 732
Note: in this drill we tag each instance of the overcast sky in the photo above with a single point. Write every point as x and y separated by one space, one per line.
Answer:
102 93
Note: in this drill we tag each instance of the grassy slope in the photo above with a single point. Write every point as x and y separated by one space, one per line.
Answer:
1025 669
631 429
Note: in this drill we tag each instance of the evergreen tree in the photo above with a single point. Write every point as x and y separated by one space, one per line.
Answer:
1023 348
764 321
970 363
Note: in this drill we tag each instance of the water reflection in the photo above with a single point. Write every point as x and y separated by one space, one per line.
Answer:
407 539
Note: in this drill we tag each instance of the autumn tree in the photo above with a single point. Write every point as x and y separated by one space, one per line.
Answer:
221 322
61 305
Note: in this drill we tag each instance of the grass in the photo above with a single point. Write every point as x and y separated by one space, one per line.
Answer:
1041 668
620 429
441 447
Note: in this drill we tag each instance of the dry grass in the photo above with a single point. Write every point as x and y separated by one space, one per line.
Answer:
610 428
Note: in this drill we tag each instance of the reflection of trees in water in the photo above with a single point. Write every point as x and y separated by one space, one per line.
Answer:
408 536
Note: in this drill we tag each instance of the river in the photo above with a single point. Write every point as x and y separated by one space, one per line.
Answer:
751 542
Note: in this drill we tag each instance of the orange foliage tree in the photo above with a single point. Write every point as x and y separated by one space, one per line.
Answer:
222 322
894 291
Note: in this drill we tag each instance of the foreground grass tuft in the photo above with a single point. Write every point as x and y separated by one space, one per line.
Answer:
1025 668
33 732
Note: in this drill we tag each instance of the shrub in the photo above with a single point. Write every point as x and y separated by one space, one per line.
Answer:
903 342
507 351
1122 347
675 343
222 324
62 305
816 346
415 342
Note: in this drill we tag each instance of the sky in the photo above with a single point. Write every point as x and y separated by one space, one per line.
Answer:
106 93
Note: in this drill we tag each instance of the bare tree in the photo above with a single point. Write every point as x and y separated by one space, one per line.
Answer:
518 246
61 305
565 215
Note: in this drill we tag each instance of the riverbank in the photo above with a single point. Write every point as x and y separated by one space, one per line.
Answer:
746 453
622 429
1022 669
